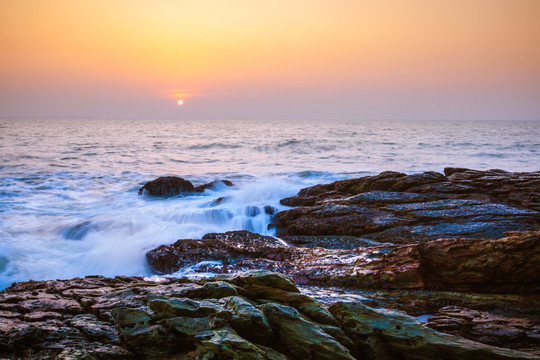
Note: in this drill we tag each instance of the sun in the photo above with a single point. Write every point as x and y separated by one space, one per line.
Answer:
180 102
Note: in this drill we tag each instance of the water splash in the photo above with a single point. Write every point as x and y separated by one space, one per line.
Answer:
110 233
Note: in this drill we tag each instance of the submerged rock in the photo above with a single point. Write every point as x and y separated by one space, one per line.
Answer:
395 207
506 265
261 316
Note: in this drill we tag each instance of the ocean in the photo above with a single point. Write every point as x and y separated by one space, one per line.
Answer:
68 192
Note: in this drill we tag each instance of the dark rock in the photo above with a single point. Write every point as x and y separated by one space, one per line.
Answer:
167 186
219 200
152 341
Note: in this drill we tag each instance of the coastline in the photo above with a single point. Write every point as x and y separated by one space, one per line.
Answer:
476 289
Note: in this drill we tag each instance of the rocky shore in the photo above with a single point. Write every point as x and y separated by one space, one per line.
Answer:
256 315
392 266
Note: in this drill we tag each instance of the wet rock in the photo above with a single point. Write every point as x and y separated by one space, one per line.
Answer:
228 248
165 307
506 265
244 237
167 186
83 350
395 207
42 315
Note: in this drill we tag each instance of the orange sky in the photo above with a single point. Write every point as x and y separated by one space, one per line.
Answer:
360 59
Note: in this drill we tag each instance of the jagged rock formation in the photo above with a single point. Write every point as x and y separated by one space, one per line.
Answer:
395 207
506 265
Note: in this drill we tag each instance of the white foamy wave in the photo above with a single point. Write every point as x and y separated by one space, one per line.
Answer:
109 234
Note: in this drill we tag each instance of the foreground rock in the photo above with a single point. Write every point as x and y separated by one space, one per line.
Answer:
506 265
510 321
258 315
171 186
395 207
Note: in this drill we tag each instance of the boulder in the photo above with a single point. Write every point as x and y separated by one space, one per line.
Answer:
168 186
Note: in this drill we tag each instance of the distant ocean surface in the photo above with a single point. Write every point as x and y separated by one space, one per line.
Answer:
68 192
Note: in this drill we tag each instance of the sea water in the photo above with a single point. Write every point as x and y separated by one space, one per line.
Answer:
68 192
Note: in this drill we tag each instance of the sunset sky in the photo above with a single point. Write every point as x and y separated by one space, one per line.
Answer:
279 59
